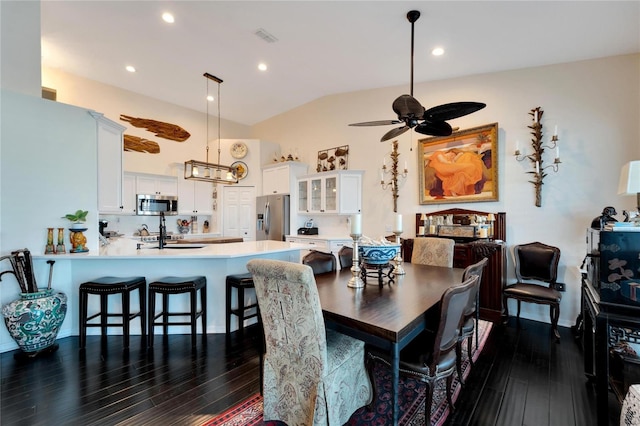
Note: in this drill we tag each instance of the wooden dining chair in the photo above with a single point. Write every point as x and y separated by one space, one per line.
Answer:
345 256
431 356
471 316
312 376
433 251
536 267
320 262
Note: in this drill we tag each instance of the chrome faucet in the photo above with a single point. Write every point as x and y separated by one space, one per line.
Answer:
163 231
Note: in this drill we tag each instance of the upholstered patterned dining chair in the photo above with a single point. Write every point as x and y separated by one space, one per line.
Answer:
431 356
312 376
433 251
471 315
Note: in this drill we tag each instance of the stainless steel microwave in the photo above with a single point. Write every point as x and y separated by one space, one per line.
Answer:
154 204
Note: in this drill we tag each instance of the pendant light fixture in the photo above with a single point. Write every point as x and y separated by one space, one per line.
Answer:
205 171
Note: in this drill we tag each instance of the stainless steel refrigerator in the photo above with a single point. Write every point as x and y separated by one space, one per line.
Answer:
272 217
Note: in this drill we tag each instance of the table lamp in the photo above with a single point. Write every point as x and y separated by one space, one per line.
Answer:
630 180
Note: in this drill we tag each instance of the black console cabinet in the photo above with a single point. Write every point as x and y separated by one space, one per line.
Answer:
610 314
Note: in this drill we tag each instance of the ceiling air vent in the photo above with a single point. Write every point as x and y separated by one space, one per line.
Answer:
263 34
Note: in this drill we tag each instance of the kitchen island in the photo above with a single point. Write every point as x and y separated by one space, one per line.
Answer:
123 258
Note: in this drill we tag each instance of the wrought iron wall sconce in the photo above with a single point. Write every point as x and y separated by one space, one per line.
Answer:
393 182
536 157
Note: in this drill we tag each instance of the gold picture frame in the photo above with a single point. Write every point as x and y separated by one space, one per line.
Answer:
460 168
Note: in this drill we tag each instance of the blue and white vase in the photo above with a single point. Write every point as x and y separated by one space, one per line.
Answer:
34 320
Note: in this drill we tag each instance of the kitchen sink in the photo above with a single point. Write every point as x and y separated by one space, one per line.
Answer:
183 246
173 246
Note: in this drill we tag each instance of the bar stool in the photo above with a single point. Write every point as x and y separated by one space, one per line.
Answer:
178 285
104 287
240 282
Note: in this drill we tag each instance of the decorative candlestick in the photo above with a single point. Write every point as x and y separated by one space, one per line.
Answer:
60 247
355 281
49 249
399 270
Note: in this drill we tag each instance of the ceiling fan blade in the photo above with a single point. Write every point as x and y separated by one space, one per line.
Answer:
437 128
407 107
452 110
394 132
377 123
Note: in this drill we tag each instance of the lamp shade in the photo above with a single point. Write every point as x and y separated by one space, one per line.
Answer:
629 179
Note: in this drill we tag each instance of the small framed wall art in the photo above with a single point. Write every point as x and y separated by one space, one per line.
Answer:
333 159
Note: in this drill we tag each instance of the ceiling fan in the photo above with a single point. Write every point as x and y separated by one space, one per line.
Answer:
413 114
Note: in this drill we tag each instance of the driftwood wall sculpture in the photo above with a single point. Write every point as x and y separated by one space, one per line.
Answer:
137 144
162 130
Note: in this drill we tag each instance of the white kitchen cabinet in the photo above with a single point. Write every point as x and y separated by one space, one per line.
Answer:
195 197
156 184
338 192
129 194
321 243
280 178
110 142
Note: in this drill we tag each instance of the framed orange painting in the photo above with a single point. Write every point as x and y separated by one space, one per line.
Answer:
460 168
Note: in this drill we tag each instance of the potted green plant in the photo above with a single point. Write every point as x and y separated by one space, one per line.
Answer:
77 219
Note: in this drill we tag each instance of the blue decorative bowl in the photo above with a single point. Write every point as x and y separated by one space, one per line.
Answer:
378 255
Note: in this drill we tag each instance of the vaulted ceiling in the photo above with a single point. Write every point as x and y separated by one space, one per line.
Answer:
322 47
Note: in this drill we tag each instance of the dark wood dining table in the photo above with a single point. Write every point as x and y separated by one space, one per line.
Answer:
387 316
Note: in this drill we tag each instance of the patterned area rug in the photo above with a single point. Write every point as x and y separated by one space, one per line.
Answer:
249 412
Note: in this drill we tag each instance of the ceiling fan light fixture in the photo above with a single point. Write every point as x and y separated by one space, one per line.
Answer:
413 114
191 167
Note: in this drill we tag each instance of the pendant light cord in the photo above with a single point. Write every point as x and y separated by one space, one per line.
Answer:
219 123
207 91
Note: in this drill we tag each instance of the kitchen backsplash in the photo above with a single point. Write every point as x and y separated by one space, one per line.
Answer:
129 225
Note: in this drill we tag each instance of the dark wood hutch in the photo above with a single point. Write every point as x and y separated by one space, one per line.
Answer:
470 250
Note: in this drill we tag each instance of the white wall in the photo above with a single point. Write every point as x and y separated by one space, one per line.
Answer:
596 105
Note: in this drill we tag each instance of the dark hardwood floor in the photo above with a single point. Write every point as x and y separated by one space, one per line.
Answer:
521 378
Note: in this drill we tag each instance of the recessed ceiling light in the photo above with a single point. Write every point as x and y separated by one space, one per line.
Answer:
210 98
168 18
438 51
130 68
262 66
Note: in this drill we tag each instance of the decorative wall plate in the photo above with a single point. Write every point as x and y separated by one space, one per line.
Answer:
239 150
242 169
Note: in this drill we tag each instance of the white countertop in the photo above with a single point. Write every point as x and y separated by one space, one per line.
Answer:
125 248
322 237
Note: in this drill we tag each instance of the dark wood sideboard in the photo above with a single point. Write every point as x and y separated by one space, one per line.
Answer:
470 251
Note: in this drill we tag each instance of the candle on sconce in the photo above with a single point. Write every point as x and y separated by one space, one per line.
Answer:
384 162
555 131
398 226
535 116
557 150
356 224
538 167
381 176
405 166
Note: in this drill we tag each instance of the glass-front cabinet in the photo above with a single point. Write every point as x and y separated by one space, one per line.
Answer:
330 193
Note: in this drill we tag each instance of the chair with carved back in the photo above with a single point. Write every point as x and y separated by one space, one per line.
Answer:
431 356
312 376
433 251
320 262
471 316
536 266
